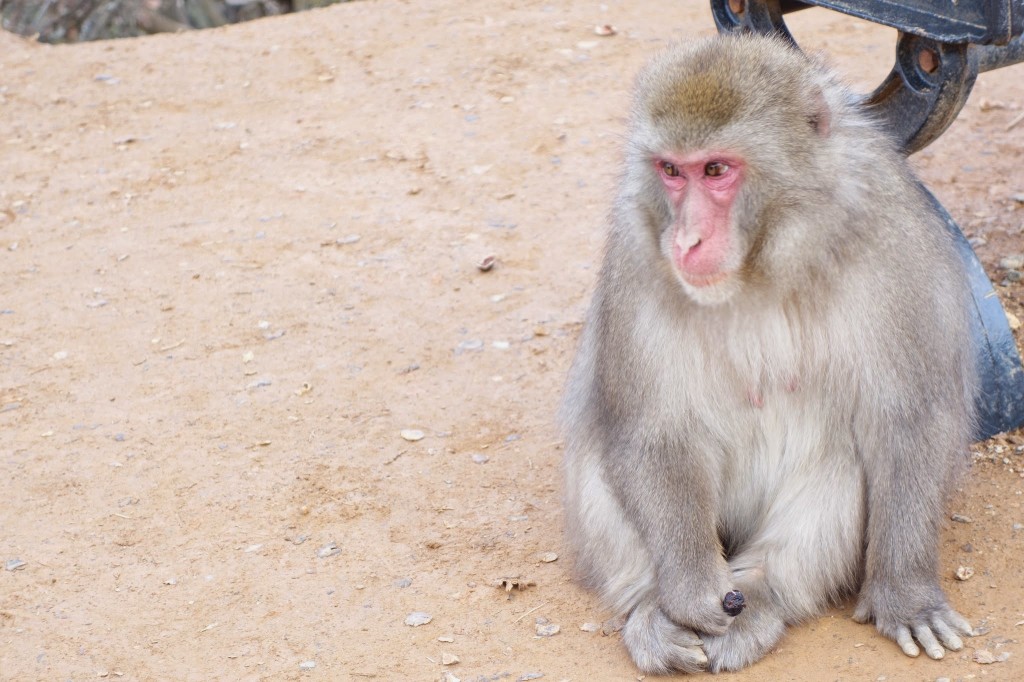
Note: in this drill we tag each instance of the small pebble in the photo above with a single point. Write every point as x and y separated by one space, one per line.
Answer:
1013 262
307 665
548 630
590 627
402 582
418 618
548 557
328 550
14 565
487 263
468 346
985 657
529 676
604 30
412 435
447 639
964 573
480 459
1013 321
961 518
449 659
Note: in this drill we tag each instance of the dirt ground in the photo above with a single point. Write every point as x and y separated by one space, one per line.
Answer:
238 263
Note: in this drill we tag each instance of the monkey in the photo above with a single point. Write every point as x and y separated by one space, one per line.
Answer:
773 390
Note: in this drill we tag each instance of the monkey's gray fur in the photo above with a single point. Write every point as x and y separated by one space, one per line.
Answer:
794 433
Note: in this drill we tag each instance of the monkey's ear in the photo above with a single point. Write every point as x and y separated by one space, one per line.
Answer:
820 117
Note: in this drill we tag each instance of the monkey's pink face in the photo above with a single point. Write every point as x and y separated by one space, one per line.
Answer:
702 188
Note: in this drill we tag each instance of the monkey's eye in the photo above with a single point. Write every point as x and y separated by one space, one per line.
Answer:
715 169
669 169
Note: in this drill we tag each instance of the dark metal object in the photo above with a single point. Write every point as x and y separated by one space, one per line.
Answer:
1000 401
941 49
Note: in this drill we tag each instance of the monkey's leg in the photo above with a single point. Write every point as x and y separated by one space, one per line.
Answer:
613 561
805 554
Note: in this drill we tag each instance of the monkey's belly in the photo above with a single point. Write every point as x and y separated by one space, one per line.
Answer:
792 497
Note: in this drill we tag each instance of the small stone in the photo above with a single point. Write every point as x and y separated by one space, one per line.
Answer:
590 627
1014 262
480 459
529 676
487 263
610 627
447 639
983 656
469 346
942 679
448 677
14 565
961 518
307 665
1013 321
418 618
328 550
548 629
412 435
449 659
402 582
964 573
604 30
548 557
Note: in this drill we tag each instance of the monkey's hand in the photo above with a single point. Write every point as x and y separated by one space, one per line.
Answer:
692 595
907 613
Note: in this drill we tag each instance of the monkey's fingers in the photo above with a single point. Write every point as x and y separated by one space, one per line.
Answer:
949 639
962 625
926 637
906 641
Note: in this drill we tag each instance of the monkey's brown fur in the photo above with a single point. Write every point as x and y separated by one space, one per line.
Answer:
792 431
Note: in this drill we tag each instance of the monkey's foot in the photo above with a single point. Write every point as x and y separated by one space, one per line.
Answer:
748 639
936 629
660 646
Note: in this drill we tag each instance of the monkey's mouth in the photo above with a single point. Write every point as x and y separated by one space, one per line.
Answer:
701 281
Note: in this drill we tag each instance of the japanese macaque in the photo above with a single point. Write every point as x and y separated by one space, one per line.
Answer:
774 387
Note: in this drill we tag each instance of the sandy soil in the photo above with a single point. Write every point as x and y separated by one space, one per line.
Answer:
236 264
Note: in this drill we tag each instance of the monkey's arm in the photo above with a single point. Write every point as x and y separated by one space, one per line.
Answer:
667 490
906 448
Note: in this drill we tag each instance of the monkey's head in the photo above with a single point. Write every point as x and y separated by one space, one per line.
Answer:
731 145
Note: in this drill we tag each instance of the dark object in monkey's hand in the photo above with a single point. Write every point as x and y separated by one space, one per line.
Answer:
733 603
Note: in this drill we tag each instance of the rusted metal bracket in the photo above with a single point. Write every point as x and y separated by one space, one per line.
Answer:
940 50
